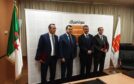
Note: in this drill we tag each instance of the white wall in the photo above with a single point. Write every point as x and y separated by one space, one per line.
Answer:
37 22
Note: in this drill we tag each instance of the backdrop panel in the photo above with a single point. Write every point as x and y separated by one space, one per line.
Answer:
37 22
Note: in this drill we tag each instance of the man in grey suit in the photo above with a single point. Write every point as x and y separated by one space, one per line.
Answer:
101 47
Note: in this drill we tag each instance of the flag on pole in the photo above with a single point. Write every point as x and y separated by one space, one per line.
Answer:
116 44
14 47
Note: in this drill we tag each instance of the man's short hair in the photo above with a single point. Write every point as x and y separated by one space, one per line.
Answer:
99 28
85 26
49 26
68 26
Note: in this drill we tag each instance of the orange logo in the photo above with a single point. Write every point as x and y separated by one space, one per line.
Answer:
77 31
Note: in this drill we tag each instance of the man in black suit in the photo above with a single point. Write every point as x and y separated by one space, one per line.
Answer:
86 49
101 47
67 44
47 53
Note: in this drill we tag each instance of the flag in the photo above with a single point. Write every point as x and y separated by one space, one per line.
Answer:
116 44
14 52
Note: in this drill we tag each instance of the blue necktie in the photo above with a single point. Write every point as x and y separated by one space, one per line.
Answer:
70 39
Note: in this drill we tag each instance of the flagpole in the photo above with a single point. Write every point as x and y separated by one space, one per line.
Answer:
15 2
113 67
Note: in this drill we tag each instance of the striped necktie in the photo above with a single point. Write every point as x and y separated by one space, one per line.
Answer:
53 41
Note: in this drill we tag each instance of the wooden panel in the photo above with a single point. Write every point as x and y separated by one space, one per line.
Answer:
6 7
7 70
2 71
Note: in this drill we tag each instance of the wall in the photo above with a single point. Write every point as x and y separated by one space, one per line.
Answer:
6 68
125 12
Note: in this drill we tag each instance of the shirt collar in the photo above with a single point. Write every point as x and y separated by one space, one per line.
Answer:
85 34
100 35
50 34
68 34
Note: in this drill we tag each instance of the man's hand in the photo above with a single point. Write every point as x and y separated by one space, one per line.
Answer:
62 60
89 52
105 50
41 61
102 49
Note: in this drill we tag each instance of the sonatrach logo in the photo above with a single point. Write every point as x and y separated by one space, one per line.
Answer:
77 31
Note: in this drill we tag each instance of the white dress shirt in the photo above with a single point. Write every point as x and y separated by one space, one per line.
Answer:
86 35
52 45
89 51
68 36
101 36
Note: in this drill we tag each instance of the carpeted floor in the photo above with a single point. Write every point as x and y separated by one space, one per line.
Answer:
77 77
24 77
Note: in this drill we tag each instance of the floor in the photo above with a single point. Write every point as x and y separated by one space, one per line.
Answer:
24 77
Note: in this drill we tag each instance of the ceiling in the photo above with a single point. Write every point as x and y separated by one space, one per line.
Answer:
112 2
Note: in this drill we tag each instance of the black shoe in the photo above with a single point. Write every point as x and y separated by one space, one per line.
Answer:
44 82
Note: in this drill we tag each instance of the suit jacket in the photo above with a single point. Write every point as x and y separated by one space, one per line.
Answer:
85 44
67 51
99 44
44 47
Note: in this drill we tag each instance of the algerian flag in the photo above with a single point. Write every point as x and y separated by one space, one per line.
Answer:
116 44
14 47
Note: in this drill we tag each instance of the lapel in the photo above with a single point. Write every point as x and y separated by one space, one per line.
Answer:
83 36
66 38
72 38
100 41
48 39
98 37
55 39
85 39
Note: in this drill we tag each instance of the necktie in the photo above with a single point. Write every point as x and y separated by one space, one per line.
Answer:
104 46
101 38
87 39
53 41
70 39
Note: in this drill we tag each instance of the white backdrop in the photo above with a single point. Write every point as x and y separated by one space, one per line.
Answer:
37 22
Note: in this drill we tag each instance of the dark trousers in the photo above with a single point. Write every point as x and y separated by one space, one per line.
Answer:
85 65
66 69
51 63
99 62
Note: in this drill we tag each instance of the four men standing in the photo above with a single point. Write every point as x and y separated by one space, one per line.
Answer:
50 49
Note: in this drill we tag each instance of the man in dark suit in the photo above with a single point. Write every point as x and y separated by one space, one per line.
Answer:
47 53
67 44
101 47
86 50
